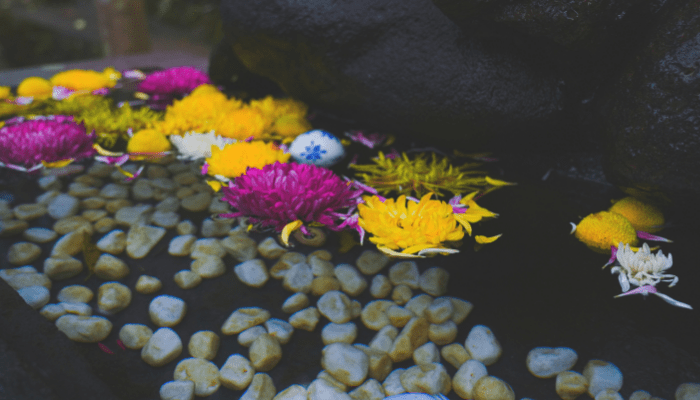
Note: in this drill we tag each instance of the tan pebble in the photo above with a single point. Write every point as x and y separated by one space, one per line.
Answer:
404 273
114 205
185 178
135 336
371 262
296 392
40 235
443 333
244 318
351 281
248 336
148 284
156 171
374 314
68 245
141 239
92 203
113 297
184 192
100 170
384 339
186 228
371 389
182 245
240 247
295 303
207 247
208 267
380 363
270 249
204 374
113 243
461 309
46 198
426 354
10 227
466 377
115 191
330 379
28 212
380 287
22 253
77 308
455 354
265 353
62 267
52 312
324 284
430 378
570 384
413 335
80 190
636 395
104 225
392 384
298 278
688 391
261 388
109 267
398 316
321 267
439 311
204 344
196 202
22 277
89 180
492 388
285 262
83 328
75 294
72 224
94 215
434 281
187 279
418 304
321 254
236 373
305 319
401 294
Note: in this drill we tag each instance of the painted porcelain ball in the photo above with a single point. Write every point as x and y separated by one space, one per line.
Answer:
317 147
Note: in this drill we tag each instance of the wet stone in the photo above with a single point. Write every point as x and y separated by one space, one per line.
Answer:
114 191
113 297
186 228
426 354
218 228
401 294
418 304
295 303
466 377
482 345
380 287
113 243
203 344
187 279
11 227
236 373
305 319
63 206
240 247
77 308
492 388
252 273
156 171
165 219
244 318
248 336
135 215
322 268
265 353
285 263
398 316
219 206
204 374
75 294
371 262
345 363
22 253
570 384
413 335
208 267
380 364
177 390
298 392
94 215
50 182
141 239
25 276
135 336
261 388
339 333
405 273
92 203
163 347
374 314
207 247
184 192
166 310
197 202
430 378
114 205
547 362
370 390
72 224
89 180
461 309
52 312
351 282
28 212
434 281
602 375
62 267
142 190
439 311
392 384
35 296
279 329
148 284
181 246
100 170
185 178
455 354
335 306
270 249
82 190
45 198
298 278
443 333
85 329
164 184
688 391
324 284
109 267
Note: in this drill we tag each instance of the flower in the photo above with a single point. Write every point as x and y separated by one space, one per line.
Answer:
290 195
173 81
199 112
35 87
242 123
643 216
193 145
29 144
286 117
420 176
417 227
234 159
148 141
5 92
111 124
602 230
86 80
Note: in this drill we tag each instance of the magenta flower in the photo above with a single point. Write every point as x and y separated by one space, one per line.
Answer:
173 81
281 193
24 144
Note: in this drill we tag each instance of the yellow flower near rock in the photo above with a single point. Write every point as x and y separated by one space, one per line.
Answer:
242 124
290 126
198 112
36 87
88 80
5 92
643 216
603 230
148 141
234 159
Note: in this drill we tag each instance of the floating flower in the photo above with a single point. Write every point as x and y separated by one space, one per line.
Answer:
111 124
148 141
420 176
242 123
5 92
197 112
234 159
643 216
173 81
35 87
286 117
289 196
86 80
28 144
193 145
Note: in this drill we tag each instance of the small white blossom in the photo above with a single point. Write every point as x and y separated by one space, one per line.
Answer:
642 267
193 145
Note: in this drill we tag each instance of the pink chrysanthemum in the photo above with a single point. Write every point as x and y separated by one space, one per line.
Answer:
24 144
173 81
281 193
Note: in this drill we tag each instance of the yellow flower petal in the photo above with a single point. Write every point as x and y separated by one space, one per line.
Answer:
483 239
57 164
392 253
216 185
496 182
288 229
104 152
462 219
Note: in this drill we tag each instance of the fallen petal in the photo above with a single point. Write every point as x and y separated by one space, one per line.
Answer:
288 229
483 239
654 238
673 302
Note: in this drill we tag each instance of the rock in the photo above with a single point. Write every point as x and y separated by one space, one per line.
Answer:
335 306
455 354
100 170
426 378
22 253
26 276
602 375
439 311
244 318
52 312
609 394
73 224
114 206
105 224
401 294
688 391
339 333
141 239
380 287
418 304
461 309
321 389
169 204
404 273
240 247
284 263
166 310
218 228
298 278
636 395
62 267
187 279
324 284
547 362
371 262
196 202
321 267
392 384
320 254
208 267
398 316
84 329
182 245
92 203
350 279
113 297
77 309
39 235
48 183
345 363
370 390
135 336
279 329
11 227
492 388
164 346
75 294
63 206
207 247
434 281
261 388
69 244
236 373
28 212
294 392
265 353
204 374
466 377
374 314
94 215
35 296
109 267
219 206
89 180
380 363
443 333
148 284
248 336
136 215
270 249
412 336
305 319
252 273
186 228
114 191
142 190
43 199
324 375
165 219
384 339
295 303
177 390
426 354
156 171
482 345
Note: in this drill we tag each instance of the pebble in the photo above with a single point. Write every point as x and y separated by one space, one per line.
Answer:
89 180
321 267
63 206
636 395
156 171
298 392
335 306
208 267
26 276
236 373
109 267
384 339
380 287
186 228
392 384
113 297
688 391
270 249
439 311
135 336
466 377
298 278
114 191
196 202
374 315
50 182
345 363
324 284
418 304
248 336
69 244
207 247
404 273
35 296
244 318
398 316
177 390
413 335
62 267
113 243
45 198
370 390
482 345
168 204
77 308
187 279
92 203
84 329
182 245
602 375
141 239
547 362
371 262
443 333
28 212
261 388
148 284
279 329
380 363
219 206
401 294
321 389
608 394
295 303
82 190
252 273
428 378
75 294
165 219
492 388
12 227
285 262
455 354
100 170
115 205
204 374
72 224
23 253
218 228
142 190
339 333
426 354
330 379
351 281
52 312
434 281
204 344
265 352
240 247
163 347
134 215
105 224
461 309
166 310
93 215
305 319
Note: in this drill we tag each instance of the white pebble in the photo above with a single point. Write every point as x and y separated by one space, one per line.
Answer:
345 363
186 279
335 306
204 374
248 336
84 329
547 362
163 347
177 390
35 296
181 245
404 273
351 281
688 391
466 376
279 329
113 297
392 384
166 310
63 206
295 303
434 281
77 308
602 375
208 266
236 373
339 333
426 354
52 311
380 287
252 272
148 284
135 336
482 345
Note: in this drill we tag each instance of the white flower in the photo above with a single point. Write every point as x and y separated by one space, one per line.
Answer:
642 267
193 145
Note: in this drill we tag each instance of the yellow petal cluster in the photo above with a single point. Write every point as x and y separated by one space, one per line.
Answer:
148 141
88 80
474 213
602 230
5 92
412 227
286 117
235 158
38 88
643 216
199 111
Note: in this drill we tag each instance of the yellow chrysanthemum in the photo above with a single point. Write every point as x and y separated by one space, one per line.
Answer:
473 213
242 124
291 125
643 216
287 116
602 230
148 141
36 87
82 79
412 227
110 124
234 159
5 92
199 112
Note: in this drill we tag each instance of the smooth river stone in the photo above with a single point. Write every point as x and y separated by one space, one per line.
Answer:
204 374
163 347
84 329
141 239
547 362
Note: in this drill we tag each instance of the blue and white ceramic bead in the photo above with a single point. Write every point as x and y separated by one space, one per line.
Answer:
317 147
